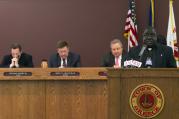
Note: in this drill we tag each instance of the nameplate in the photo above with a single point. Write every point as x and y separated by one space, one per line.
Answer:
102 73
64 73
17 73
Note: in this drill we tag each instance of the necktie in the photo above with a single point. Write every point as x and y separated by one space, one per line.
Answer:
64 63
117 61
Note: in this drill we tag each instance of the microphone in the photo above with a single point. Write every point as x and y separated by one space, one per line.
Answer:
142 50
132 64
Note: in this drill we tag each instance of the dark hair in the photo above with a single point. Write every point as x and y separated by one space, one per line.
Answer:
150 29
16 46
61 44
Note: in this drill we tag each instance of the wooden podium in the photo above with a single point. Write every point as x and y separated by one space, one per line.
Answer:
124 81
70 93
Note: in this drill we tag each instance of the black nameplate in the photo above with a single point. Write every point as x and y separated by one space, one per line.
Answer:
64 73
17 73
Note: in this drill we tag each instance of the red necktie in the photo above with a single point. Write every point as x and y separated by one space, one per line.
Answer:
117 61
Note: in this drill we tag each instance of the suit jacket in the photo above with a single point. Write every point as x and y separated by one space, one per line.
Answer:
25 60
162 56
108 60
73 60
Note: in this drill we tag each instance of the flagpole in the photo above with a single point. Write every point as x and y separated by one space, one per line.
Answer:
153 12
171 1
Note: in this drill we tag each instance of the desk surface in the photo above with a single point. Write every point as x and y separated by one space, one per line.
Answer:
53 74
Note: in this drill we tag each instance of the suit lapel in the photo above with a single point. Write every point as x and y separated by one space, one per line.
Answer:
122 60
69 60
157 57
112 60
58 61
154 57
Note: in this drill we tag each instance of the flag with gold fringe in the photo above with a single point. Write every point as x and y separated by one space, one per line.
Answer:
171 33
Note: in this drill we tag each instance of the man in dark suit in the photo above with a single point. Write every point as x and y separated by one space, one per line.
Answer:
161 39
151 53
116 57
63 57
17 58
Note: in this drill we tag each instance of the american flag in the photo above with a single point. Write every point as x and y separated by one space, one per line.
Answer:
130 32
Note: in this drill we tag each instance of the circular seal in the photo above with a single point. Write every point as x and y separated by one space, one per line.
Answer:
146 100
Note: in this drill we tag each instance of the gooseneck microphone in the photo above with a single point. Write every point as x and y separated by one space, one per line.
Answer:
144 46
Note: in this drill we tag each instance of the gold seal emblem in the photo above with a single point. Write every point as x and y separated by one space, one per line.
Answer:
146 100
